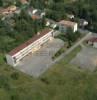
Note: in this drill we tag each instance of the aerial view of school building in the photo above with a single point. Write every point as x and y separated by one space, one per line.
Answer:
30 46
36 42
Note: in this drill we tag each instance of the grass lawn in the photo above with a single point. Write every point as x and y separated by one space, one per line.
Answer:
61 82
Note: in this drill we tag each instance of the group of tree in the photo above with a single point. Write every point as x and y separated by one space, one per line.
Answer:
71 36
6 3
24 28
86 9
57 10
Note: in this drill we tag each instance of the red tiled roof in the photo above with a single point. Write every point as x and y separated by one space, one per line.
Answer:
67 23
27 43
34 17
10 8
24 1
93 39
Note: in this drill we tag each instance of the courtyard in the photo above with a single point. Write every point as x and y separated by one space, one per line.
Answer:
37 63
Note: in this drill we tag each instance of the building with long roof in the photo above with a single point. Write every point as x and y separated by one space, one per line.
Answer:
30 46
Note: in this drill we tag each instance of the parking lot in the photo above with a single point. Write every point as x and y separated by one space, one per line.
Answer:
37 63
86 59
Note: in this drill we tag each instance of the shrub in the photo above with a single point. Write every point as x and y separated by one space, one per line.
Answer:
14 97
4 82
15 75
44 80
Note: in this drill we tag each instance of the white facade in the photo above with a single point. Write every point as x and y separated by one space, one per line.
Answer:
64 25
62 28
36 12
15 59
70 16
75 27
95 44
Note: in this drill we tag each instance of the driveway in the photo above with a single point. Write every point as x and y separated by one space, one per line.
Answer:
37 63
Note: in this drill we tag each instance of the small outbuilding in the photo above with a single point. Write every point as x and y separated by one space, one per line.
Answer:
92 41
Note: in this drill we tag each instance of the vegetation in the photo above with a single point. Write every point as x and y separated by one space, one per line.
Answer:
57 10
24 27
6 3
62 81
71 36
62 50
85 9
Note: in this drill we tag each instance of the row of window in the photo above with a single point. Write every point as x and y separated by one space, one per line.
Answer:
28 49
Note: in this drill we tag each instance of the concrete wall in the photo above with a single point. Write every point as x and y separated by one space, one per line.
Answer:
75 27
95 44
63 28
10 60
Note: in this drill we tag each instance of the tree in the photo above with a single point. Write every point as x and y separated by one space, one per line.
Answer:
69 36
1 3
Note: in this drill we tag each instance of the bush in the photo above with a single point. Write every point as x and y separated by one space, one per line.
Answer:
14 97
4 82
44 80
58 53
15 75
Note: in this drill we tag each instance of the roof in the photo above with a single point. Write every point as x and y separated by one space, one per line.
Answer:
93 39
10 8
30 41
24 1
51 21
34 17
67 23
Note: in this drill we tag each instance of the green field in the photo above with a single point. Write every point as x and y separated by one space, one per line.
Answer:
61 82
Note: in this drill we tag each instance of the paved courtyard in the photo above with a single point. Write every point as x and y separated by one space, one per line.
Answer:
37 63
86 59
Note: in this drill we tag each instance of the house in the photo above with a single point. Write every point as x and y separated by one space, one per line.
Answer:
30 46
64 25
36 13
35 17
92 41
70 16
9 10
24 1
83 22
51 23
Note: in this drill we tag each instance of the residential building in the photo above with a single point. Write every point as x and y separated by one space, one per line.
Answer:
70 16
92 41
83 22
51 23
36 13
24 1
9 10
64 25
32 45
